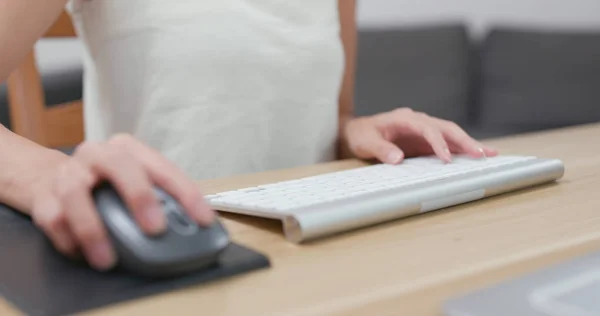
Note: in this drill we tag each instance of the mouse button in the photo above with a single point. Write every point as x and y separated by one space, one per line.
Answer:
111 208
159 192
124 229
178 220
181 224
163 196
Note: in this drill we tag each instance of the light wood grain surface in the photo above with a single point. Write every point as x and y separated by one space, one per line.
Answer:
57 126
409 266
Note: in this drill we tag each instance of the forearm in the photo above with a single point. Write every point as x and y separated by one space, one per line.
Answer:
24 164
22 23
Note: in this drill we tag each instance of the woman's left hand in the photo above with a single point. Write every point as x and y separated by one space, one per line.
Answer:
392 136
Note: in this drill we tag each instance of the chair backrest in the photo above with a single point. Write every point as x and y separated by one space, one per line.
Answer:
57 126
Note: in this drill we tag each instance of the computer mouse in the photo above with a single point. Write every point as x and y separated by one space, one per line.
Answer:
184 247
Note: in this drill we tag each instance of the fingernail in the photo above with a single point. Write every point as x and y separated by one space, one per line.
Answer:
204 214
394 157
155 219
448 155
482 152
102 256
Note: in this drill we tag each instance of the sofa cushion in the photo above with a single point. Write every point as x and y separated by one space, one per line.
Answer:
533 79
422 67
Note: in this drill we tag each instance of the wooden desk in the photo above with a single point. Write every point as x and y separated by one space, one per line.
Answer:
407 267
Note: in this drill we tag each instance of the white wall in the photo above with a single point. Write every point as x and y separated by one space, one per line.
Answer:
479 14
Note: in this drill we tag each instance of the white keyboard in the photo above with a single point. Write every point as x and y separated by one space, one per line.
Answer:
333 202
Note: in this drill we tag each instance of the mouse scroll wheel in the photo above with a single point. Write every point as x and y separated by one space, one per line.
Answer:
169 206
178 219
181 224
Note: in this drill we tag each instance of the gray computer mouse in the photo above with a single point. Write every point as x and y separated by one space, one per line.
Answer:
184 247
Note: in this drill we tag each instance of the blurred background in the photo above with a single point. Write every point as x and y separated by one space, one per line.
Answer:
496 67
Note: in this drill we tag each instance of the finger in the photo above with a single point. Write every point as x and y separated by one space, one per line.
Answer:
47 214
63 239
170 178
130 179
437 142
462 140
371 144
73 190
429 131
487 150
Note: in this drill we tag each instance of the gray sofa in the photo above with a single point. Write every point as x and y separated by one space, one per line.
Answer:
510 81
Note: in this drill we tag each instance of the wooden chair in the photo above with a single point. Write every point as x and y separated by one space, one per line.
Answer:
58 126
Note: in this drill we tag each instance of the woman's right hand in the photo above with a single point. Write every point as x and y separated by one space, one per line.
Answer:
64 209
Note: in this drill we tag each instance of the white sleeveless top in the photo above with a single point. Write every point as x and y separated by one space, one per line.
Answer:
220 87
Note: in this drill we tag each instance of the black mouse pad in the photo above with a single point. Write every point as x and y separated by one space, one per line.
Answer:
39 281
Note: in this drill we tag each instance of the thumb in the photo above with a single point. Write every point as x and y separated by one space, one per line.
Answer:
374 145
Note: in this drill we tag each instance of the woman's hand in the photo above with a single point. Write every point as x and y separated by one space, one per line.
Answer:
392 136
64 209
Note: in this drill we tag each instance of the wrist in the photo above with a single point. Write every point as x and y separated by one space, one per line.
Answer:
19 187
